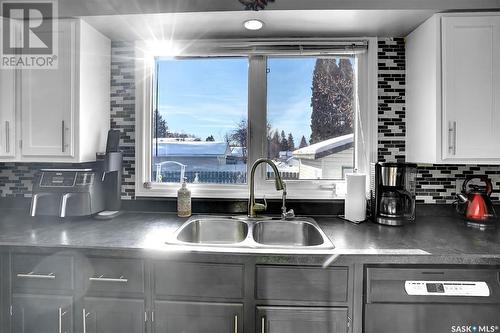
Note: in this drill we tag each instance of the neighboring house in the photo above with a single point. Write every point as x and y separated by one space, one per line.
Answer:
238 155
285 155
329 159
195 155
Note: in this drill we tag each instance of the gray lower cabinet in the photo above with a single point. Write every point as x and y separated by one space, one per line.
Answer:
41 313
301 320
195 317
113 315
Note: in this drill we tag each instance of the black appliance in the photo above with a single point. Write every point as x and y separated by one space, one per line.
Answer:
428 299
81 192
67 192
392 193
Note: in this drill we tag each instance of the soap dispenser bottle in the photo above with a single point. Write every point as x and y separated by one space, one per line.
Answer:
184 200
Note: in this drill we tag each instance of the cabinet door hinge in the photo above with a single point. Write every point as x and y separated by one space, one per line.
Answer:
20 144
10 310
145 316
348 322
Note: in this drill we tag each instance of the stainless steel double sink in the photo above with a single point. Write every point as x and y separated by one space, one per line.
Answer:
245 232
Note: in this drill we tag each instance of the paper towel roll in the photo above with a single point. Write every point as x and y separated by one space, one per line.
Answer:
355 197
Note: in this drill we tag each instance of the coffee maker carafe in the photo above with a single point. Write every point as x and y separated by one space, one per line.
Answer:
393 193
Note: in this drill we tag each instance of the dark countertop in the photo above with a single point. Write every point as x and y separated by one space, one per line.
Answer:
439 236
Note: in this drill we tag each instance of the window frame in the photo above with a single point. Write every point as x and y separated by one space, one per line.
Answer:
365 128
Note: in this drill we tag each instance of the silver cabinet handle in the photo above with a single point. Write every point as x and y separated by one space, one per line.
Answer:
263 325
33 275
60 320
452 137
85 314
235 323
104 279
63 129
62 136
7 137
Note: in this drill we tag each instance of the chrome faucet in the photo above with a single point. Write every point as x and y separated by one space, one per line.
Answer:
254 207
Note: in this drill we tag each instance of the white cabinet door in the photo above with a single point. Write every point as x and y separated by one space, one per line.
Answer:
7 113
48 101
471 88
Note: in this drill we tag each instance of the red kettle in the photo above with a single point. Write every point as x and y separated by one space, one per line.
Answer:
475 202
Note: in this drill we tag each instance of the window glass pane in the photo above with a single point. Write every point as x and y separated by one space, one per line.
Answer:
310 112
200 125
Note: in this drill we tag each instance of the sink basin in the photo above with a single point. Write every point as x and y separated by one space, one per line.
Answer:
252 233
287 233
213 231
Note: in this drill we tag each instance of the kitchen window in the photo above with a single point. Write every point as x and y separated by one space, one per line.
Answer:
208 111
310 115
199 123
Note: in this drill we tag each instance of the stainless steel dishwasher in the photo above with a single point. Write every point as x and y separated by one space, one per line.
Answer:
431 300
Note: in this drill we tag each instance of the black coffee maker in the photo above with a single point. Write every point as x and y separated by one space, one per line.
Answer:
392 193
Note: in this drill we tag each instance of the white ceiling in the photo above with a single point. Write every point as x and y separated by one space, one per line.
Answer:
278 23
112 7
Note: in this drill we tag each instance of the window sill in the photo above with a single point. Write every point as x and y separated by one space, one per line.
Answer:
295 190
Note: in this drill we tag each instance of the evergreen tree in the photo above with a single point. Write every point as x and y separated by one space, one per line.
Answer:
291 142
283 142
160 128
210 138
303 142
332 99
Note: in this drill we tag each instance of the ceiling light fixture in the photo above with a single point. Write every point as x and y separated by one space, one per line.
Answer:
253 24
255 4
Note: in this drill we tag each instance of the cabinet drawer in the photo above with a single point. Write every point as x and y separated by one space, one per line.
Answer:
42 272
301 319
302 283
197 317
114 275
199 280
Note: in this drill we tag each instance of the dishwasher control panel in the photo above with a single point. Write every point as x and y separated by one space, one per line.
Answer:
447 288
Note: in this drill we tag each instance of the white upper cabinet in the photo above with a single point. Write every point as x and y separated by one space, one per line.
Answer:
7 112
453 90
48 101
63 113
471 87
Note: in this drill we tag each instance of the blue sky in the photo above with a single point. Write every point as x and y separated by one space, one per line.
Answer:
209 97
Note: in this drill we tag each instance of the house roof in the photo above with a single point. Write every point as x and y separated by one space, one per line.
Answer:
192 148
325 148
237 151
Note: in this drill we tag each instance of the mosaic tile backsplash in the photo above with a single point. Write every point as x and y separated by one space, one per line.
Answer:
391 99
123 109
435 183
